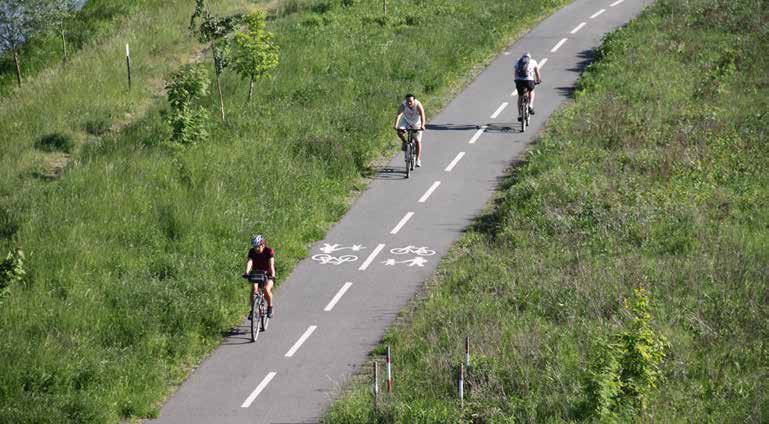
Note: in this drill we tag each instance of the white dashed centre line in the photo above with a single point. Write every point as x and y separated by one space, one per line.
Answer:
542 62
616 3
258 390
597 14
403 222
558 46
339 295
429 192
454 162
499 110
579 27
371 257
477 134
301 340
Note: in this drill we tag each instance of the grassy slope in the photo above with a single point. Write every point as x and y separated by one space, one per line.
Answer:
133 254
657 176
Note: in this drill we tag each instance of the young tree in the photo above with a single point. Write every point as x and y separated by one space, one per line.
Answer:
19 19
56 14
255 53
216 31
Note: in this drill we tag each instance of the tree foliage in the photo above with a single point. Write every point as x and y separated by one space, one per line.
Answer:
11 270
255 53
187 119
626 369
19 19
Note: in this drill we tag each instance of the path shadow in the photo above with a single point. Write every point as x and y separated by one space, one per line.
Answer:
386 173
452 127
238 335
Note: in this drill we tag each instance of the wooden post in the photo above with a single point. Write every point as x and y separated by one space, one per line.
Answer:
461 385
384 6
376 384
128 64
389 372
467 351
18 67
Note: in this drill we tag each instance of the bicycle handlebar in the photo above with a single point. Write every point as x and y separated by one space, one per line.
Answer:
258 276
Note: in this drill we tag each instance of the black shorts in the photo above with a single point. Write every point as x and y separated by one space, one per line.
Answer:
521 84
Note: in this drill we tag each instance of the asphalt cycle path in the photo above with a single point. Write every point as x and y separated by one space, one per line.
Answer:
337 303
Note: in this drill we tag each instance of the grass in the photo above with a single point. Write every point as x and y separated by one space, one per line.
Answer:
133 248
655 177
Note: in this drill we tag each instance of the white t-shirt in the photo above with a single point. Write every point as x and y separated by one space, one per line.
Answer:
529 72
412 115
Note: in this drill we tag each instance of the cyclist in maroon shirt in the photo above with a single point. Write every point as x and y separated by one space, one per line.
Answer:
262 258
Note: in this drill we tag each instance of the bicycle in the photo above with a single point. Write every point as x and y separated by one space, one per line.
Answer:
410 154
523 109
259 318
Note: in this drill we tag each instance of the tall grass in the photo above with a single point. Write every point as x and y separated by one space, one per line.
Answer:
133 251
657 177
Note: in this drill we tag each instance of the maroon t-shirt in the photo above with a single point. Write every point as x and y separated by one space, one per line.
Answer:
261 261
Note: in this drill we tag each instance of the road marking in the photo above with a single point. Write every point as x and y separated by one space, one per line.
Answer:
371 257
454 162
258 389
558 46
499 110
478 133
403 222
616 3
507 53
596 14
542 63
339 295
429 192
579 27
301 340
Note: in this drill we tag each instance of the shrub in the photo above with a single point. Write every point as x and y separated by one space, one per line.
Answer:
56 142
187 119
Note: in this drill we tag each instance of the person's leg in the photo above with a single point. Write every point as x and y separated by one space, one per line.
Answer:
268 292
531 99
418 142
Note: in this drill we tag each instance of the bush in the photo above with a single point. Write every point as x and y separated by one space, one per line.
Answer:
56 142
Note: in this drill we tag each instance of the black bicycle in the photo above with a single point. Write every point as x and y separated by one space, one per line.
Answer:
523 109
258 315
410 153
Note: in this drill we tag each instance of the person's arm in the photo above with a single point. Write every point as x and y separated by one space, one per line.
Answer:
249 265
272 267
536 72
422 116
398 116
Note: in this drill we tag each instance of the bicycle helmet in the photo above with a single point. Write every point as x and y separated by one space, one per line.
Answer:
258 240
526 54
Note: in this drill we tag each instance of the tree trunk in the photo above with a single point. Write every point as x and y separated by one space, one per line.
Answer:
18 67
63 44
250 90
218 82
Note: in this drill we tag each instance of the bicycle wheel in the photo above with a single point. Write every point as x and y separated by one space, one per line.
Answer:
263 319
255 317
408 157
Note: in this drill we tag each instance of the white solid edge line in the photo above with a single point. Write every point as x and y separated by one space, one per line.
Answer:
429 192
402 222
579 27
371 257
558 46
301 340
596 14
454 162
258 389
499 110
616 3
478 133
339 295
542 62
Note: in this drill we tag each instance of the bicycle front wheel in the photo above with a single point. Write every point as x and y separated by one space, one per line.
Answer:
408 157
255 317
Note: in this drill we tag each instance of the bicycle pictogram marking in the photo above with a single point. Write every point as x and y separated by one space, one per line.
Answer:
331 248
326 259
416 261
419 251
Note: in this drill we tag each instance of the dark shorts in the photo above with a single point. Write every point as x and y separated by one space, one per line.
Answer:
521 84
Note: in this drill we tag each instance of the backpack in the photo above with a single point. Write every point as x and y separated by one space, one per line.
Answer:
522 68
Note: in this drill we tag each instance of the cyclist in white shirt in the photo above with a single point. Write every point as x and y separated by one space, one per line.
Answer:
411 114
526 77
